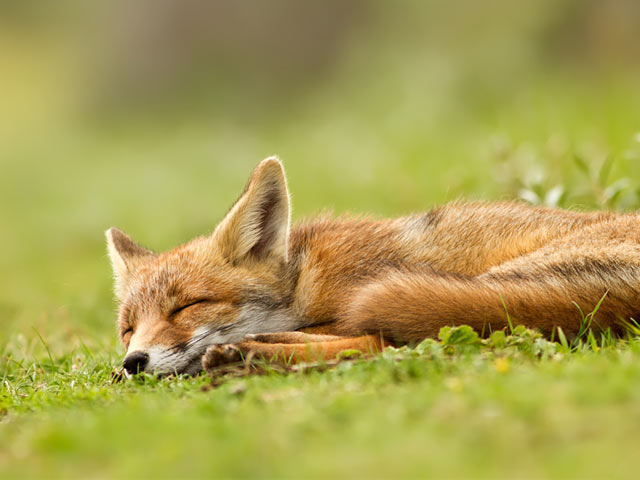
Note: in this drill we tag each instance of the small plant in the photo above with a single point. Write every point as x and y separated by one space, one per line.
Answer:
535 177
462 339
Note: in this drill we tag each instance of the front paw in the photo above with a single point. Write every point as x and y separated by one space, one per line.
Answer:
219 355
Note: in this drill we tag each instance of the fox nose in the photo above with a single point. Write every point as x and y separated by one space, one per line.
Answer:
135 362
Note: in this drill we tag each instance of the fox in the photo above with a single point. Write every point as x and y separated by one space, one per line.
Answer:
258 286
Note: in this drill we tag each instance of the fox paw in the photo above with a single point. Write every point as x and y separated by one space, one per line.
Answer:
218 355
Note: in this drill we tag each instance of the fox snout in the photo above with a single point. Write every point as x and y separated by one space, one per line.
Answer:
135 362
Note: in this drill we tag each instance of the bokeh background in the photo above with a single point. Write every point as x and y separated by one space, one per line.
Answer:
150 115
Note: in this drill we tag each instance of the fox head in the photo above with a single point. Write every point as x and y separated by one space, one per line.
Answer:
214 289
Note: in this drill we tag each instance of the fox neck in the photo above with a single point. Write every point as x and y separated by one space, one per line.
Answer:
254 319
263 312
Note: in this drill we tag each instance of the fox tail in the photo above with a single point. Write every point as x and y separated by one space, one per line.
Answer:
409 307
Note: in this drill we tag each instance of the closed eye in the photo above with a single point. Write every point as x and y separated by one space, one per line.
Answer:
126 333
183 307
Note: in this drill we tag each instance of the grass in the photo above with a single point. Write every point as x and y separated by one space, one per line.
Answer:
510 406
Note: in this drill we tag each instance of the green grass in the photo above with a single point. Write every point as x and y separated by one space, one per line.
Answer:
514 406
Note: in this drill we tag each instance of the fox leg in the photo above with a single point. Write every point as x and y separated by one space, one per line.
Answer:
290 347
291 337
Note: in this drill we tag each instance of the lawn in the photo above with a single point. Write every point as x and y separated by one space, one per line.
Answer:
512 407
384 134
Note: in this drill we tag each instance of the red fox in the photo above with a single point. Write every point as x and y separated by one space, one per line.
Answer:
257 285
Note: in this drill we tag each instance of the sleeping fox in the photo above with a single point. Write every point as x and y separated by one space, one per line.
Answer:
258 286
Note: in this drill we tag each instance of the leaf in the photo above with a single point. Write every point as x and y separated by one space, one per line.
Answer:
544 348
591 340
563 339
429 346
605 170
498 339
506 311
520 331
554 196
462 335
582 165
613 191
529 196
348 354
534 177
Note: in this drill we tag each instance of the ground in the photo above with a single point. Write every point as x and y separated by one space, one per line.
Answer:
514 406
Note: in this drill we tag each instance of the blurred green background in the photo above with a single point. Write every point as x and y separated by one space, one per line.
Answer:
150 115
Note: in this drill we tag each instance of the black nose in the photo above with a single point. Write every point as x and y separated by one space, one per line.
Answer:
135 362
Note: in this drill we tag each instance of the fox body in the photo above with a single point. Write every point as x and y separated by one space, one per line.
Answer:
333 284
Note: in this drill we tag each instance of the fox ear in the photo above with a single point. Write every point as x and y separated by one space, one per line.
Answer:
126 255
257 226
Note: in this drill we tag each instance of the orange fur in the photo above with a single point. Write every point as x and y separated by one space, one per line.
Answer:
404 278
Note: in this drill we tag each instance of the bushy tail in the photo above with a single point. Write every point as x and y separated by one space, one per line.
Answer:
413 306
